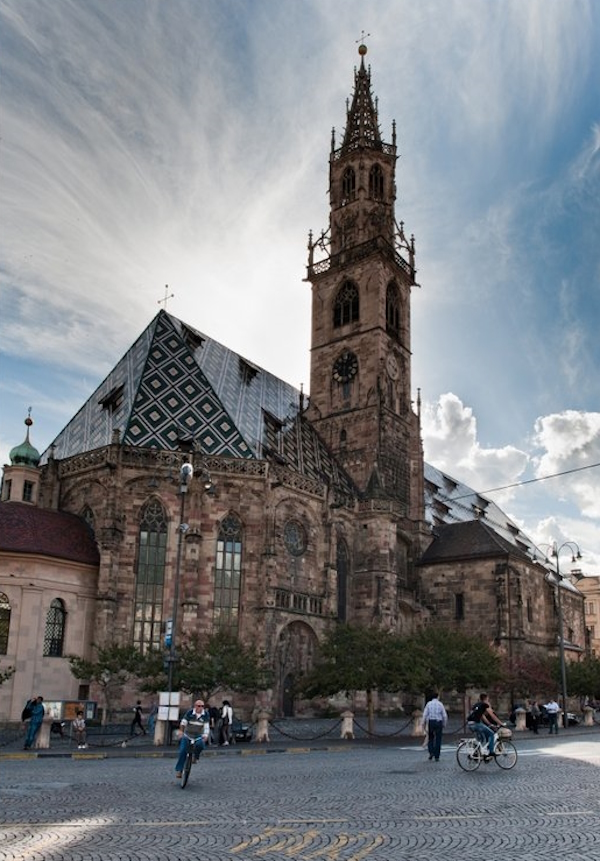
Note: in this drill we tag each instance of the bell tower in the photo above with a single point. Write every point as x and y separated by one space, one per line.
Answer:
362 269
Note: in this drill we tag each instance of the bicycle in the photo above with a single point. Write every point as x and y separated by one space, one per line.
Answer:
471 752
193 732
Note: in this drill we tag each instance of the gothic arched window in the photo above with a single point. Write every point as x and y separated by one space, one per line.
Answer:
348 185
4 623
376 183
228 569
88 515
342 564
346 306
54 635
392 310
150 577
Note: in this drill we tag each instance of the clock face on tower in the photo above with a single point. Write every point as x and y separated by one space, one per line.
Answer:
345 367
392 366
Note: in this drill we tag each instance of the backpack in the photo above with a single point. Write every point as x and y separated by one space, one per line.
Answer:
474 715
26 713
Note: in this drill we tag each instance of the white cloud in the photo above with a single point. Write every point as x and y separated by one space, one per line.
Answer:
571 441
450 443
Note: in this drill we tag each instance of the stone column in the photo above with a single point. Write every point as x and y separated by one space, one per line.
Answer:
42 739
347 725
417 727
262 729
520 719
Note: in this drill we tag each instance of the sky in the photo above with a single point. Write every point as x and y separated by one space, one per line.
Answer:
146 143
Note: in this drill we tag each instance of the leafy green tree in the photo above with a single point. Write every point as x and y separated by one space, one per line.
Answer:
356 658
206 665
112 667
454 660
220 661
583 678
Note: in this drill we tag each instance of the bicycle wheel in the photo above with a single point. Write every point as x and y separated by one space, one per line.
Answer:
468 755
187 767
506 754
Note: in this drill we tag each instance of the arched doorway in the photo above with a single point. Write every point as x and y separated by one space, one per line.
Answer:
295 653
288 696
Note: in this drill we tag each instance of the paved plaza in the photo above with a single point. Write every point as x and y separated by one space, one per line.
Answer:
343 803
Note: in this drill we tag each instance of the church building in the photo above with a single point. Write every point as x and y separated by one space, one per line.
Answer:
301 512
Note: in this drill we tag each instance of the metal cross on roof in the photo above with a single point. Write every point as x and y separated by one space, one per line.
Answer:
166 297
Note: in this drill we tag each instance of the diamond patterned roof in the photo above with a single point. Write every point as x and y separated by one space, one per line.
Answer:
177 384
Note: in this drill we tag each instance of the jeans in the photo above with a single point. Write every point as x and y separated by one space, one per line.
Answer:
183 748
483 730
32 731
553 722
434 738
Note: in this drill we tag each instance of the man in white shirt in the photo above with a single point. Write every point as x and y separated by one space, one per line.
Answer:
226 721
435 719
552 710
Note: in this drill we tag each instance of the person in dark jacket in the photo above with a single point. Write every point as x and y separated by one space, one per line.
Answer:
35 721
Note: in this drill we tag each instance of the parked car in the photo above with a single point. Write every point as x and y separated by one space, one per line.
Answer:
240 730
572 719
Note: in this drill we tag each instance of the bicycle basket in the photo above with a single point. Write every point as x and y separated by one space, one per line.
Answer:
194 729
504 732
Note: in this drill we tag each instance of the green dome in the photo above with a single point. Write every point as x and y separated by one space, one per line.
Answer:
25 453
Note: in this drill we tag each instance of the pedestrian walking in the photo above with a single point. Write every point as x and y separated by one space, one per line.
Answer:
152 719
215 718
79 730
552 710
226 721
37 712
535 716
137 719
435 719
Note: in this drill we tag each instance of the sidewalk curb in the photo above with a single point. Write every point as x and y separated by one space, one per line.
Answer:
298 746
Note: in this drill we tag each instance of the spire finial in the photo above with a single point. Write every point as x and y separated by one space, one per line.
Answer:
362 48
166 297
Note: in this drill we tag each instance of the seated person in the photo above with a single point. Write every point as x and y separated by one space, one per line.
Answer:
78 727
195 715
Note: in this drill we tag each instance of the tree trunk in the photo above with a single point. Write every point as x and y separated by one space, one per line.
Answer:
370 713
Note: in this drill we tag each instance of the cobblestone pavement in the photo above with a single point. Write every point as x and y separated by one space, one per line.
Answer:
337 804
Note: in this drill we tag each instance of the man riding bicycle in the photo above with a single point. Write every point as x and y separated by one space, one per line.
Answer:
484 721
197 715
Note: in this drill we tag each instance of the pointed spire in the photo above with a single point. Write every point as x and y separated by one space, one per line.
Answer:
362 129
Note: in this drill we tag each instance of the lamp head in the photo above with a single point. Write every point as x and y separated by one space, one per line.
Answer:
186 472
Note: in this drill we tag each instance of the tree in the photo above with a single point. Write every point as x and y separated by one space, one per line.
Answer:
454 660
583 678
528 675
356 658
113 666
218 662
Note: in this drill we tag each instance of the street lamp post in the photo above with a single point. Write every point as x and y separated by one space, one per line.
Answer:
185 475
555 551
